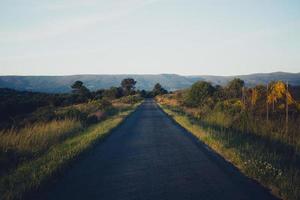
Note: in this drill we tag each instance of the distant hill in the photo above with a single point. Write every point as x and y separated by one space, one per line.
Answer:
59 84
254 79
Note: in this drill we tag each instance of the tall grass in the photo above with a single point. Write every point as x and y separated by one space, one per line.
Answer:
37 137
30 175
247 123
271 162
20 145
239 119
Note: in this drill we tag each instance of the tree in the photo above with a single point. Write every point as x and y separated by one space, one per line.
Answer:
98 94
258 98
128 85
143 93
220 93
113 93
275 93
77 85
158 90
235 88
199 93
278 92
80 89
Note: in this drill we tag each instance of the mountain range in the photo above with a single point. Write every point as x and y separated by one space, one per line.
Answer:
60 84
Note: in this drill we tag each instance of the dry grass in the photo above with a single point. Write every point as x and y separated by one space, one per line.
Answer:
37 137
30 175
119 105
267 161
89 107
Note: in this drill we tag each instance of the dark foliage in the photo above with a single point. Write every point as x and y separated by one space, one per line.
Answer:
16 107
234 88
199 93
14 104
158 90
128 85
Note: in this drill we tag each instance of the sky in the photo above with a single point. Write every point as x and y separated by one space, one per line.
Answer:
188 37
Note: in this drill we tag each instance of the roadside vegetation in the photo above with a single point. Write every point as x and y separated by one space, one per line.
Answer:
30 175
38 142
255 128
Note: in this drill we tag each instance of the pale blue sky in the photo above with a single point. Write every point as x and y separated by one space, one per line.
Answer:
192 37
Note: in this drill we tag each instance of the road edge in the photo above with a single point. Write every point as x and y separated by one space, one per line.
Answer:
215 155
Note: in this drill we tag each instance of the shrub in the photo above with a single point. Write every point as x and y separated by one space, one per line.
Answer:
92 119
44 114
132 99
199 93
71 113
104 104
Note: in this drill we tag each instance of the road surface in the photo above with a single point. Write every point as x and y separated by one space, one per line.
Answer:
151 157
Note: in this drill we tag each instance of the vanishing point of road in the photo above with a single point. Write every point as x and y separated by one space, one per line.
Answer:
151 157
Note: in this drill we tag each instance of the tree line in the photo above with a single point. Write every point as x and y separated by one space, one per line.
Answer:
270 107
275 97
14 105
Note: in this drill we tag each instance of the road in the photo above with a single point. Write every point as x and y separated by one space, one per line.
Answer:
151 157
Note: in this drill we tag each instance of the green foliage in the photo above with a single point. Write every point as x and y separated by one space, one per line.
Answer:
199 93
15 106
128 85
132 99
234 88
71 113
43 114
247 112
46 142
77 85
81 91
113 93
60 84
17 145
104 104
273 163
258 98
143 93
34 127
30 175
19 108
238 123
158 90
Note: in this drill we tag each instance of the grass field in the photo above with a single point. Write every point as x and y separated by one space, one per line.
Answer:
269 162
31 174
38 137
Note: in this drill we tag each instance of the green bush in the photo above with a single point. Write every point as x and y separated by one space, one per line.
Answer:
199 93
43 114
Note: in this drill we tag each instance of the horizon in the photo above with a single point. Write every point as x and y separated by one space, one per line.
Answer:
149 37
141 74
187 89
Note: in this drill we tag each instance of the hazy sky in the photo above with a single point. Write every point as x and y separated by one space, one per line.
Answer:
220 37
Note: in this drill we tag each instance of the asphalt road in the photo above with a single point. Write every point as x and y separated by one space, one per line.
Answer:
151 157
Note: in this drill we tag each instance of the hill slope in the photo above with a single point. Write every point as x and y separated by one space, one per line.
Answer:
55 84
254 79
